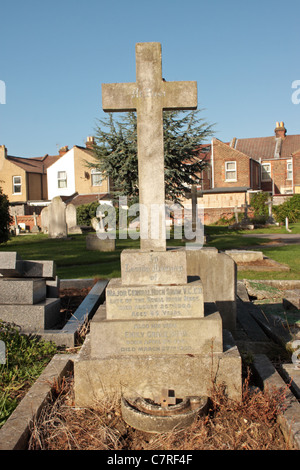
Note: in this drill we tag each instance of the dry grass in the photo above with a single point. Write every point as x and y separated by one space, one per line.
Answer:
230 425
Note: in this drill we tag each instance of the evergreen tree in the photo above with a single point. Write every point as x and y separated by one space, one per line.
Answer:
5 217
115 152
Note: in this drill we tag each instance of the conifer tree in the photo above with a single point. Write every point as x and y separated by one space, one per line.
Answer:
5 217
115 152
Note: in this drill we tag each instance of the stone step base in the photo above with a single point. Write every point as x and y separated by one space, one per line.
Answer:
41 316
97 379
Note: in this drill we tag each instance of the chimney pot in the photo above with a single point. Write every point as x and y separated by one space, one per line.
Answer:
90 141
63 150
280 130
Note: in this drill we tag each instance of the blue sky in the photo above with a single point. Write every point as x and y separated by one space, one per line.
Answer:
55 55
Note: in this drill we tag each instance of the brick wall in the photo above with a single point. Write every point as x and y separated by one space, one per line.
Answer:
224 153
278 176
28 220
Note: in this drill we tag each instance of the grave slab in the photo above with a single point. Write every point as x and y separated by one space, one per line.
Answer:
93 242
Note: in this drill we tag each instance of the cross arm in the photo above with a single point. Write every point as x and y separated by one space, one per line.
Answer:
179 95
118 97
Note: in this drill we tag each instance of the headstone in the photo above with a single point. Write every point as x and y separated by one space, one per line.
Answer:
153 333
45 219
57 224
270 219
16 226
236 214
71 219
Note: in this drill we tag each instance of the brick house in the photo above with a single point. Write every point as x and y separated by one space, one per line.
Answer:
31 183
24 181
241 167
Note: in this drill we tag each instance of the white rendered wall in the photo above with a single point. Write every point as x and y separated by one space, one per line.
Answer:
65 163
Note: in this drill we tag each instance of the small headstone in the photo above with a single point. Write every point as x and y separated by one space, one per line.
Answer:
57 224
35 228
45 220
71 219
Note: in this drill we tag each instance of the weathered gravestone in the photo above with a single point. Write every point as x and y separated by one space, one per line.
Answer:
153 335
57 223
71 219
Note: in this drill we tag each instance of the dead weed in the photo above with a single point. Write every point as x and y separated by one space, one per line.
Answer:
250 424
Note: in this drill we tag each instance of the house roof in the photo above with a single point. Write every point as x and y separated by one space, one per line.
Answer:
34 165
79 199
264 147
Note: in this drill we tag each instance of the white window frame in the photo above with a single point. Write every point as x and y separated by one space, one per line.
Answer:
17 185
266 172
94 174
289 170
61 179
227 170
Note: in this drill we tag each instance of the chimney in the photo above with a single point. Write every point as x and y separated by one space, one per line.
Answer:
3 152
90 142
63 150
280 130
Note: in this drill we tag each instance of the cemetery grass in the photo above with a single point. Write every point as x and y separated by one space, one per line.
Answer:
74 261
224 239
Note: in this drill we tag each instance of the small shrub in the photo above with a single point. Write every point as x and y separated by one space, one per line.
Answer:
290 209
258 203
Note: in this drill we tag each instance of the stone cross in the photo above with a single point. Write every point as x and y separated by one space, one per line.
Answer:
149 96
193 195
246 207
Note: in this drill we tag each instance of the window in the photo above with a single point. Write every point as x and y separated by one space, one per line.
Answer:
230 171
61 179
96 177
266 172
17 185
289 171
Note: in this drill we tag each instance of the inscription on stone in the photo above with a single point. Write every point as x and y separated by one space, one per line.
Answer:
157 336
168 267
138 302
